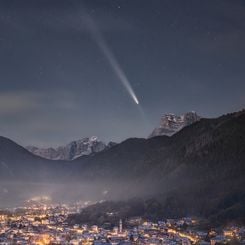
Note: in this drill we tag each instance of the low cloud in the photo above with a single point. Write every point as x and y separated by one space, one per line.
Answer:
16 102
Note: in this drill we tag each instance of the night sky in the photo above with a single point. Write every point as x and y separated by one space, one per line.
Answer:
57 84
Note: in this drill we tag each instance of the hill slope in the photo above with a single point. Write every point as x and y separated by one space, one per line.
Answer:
199 170
16 163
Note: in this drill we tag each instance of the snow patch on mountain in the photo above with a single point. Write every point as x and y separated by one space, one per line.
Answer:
73 150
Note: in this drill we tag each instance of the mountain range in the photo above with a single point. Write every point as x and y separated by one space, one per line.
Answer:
73 150
169 125
197 171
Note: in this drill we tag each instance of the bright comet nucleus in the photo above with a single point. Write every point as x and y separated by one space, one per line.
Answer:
136 100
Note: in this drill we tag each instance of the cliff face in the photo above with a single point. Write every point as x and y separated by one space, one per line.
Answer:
171 124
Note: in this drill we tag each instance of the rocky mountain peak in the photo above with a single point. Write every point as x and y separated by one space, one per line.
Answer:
73 150
171 123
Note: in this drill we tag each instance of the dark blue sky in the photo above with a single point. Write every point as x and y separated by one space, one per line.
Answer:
56 84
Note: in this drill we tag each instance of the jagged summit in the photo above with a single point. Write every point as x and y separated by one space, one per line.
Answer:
171 123
73 150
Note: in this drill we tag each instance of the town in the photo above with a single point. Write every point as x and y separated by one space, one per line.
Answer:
39 223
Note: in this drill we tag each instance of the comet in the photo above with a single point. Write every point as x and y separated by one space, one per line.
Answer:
103 46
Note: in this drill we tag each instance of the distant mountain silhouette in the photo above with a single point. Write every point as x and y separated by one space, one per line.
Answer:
16 163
